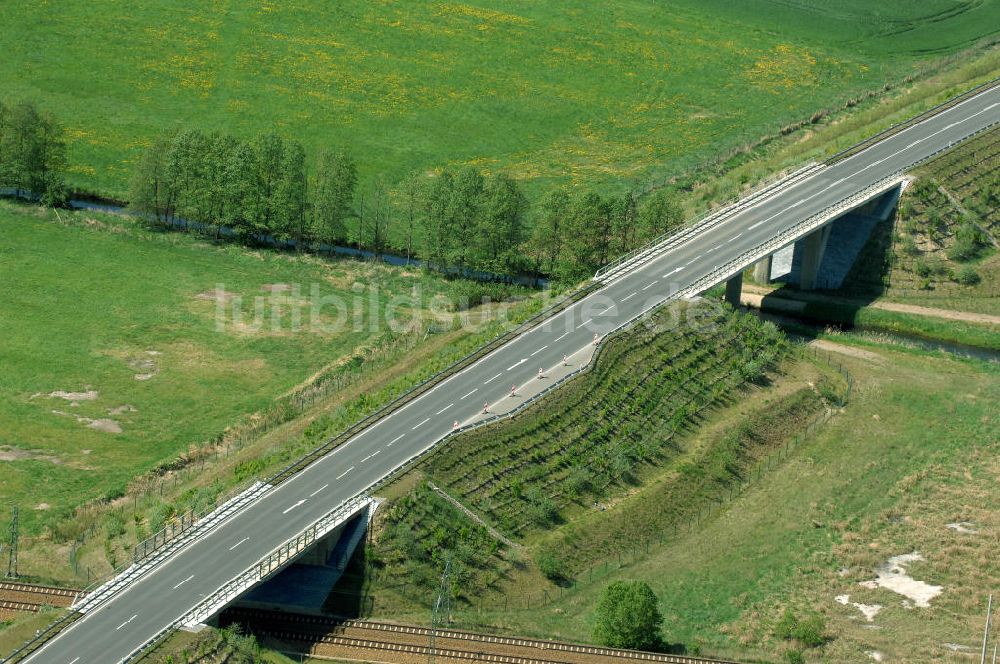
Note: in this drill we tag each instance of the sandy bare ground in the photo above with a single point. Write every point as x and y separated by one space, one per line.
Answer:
937 313
843 349
753 295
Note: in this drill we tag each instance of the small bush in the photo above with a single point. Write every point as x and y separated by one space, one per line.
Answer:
795 657
786 626
969 242
967 276
922 268
809 632
549 565
910 246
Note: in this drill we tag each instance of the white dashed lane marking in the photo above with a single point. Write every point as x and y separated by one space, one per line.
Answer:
185 580
126 622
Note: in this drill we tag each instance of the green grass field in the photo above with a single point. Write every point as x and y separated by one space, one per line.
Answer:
913 451
592 94
124 322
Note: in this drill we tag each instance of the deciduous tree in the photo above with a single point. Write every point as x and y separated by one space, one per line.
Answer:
628 616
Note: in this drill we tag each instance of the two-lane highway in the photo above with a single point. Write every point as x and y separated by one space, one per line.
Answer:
131 618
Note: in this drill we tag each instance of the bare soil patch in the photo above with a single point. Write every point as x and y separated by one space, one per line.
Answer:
216 295
843 349
9 453
87 395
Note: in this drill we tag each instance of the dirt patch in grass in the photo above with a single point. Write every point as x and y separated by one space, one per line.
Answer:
892 575
103 424
87 395
276 288
853 351
216 295
9 453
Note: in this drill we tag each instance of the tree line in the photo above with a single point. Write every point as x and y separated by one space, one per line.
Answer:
461 219
268 189
32 153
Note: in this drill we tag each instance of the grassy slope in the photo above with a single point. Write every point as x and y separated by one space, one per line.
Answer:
915 449
590 93
86 301
552 455
881 479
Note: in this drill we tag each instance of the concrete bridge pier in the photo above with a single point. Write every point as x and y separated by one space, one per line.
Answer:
813 247
762 270
734 286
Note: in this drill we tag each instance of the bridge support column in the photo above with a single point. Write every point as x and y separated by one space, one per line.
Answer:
734 286
813 247
762 270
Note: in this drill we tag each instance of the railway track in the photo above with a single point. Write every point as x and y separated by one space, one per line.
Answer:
22 597
388 642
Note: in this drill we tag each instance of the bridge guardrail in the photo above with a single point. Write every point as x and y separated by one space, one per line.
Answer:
262 569
701 223
863 145
705 221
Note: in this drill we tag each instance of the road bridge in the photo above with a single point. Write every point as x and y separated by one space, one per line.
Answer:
257 537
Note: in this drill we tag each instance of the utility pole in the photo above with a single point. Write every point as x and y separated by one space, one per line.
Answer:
12 546
442 608
986 632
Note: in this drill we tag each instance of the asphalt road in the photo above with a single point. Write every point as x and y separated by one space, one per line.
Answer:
133 617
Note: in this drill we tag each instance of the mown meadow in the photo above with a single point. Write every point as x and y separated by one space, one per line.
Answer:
123 347
607 95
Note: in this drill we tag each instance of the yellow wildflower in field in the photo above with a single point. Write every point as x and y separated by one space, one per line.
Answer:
480 13
782 68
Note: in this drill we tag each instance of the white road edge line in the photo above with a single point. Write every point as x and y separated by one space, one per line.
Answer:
341 476
318 490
